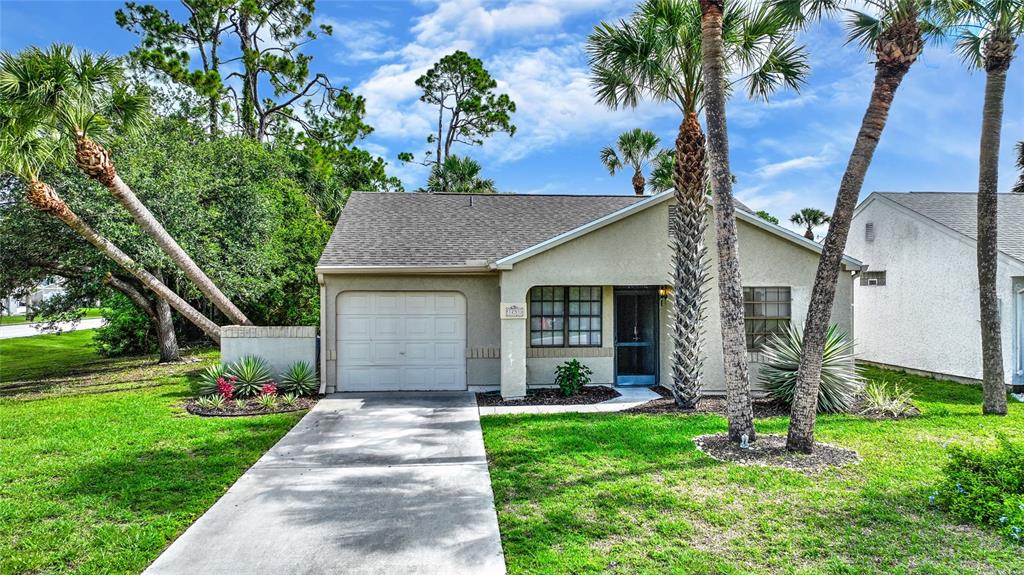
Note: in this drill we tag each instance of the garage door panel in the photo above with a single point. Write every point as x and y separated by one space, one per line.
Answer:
391 341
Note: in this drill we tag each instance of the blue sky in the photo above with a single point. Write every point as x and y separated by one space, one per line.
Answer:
787 154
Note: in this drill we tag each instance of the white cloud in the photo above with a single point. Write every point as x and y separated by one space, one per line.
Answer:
802 163
362 40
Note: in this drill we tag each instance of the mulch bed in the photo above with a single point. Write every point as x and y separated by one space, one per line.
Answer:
770 451
252 407
550 396
762 407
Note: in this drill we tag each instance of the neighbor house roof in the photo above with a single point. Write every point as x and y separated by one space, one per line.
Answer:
423 230
470 232
959 212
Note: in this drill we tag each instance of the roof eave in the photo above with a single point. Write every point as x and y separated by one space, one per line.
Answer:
402 269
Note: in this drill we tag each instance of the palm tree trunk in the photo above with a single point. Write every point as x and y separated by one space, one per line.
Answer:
45 199
159 314
690 270
638 183
994 402
94 160
805 401
809 233
739 409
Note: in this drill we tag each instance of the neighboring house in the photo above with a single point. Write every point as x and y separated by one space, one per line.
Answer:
917 303
22 304
449 291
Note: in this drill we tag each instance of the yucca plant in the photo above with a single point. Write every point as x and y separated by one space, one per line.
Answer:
298 379
841 381
267 401
895 402
252 372
207 384
212 402
290 400
240 404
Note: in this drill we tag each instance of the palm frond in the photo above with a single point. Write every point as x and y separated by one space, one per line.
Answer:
864 29
610 160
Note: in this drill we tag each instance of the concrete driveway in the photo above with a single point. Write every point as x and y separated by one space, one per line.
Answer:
365 483
29 329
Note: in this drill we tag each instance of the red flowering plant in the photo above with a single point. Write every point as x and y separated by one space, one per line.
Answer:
226 387
269 389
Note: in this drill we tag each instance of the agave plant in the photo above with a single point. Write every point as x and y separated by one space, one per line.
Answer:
267 401
841 381
895 401
211 402
298 379
252 372
207 384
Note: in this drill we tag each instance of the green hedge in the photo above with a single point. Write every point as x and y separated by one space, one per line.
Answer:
986 486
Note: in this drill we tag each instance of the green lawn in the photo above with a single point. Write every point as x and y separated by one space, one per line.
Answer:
592 493
101 468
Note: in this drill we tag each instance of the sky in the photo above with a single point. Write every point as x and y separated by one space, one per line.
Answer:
786 154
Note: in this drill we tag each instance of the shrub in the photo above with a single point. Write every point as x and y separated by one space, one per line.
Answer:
571 376
986 486
252 372
226 386
299 379
840 379
878 398
289 400
267 401
268 389
208 380
212 402
240 404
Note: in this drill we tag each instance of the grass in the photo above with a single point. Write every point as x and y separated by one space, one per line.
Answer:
101 468
90 313
605 493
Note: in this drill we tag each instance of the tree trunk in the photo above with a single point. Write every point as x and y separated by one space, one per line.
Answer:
739 409
45 199
94 160
809 233
159 313
988 249
249 77
819 313
690 269
638 183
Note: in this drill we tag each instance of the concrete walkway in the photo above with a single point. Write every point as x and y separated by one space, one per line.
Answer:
628 397
380 483
29 329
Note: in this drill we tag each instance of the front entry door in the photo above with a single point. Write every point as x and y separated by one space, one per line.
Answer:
1019 379
636 336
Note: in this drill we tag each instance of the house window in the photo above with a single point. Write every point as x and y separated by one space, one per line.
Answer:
565 316
766 311
873 278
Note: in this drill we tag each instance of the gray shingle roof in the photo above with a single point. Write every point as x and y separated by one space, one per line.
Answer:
959 212
417 229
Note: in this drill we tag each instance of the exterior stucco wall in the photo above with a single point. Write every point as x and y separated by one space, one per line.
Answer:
281 346
482 324
635 252
926 316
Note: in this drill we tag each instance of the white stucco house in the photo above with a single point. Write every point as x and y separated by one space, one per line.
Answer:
451 291
917 303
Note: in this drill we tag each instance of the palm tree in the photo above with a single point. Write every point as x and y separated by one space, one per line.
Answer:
458 175
895 33
637 148
987 34
656 55
84 98
810 218
663 169
25 149
1018 188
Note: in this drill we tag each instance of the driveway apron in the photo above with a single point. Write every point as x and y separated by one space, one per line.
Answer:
365 483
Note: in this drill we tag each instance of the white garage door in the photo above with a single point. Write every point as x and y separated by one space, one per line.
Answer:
396 341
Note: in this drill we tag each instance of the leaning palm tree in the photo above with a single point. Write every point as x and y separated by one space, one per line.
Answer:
987 33
656 55
1018 188
895 33
637 149
810 218
84 98
458 175
26 147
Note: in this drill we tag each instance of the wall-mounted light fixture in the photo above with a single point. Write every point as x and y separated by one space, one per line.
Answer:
664 292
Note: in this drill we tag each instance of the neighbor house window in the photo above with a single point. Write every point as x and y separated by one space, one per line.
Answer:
875 278
766 311
565 316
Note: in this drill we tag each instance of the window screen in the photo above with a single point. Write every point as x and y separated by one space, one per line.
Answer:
766 310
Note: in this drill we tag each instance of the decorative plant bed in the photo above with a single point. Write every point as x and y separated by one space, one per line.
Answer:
550 396
251 407
882 415
762 407
770 450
